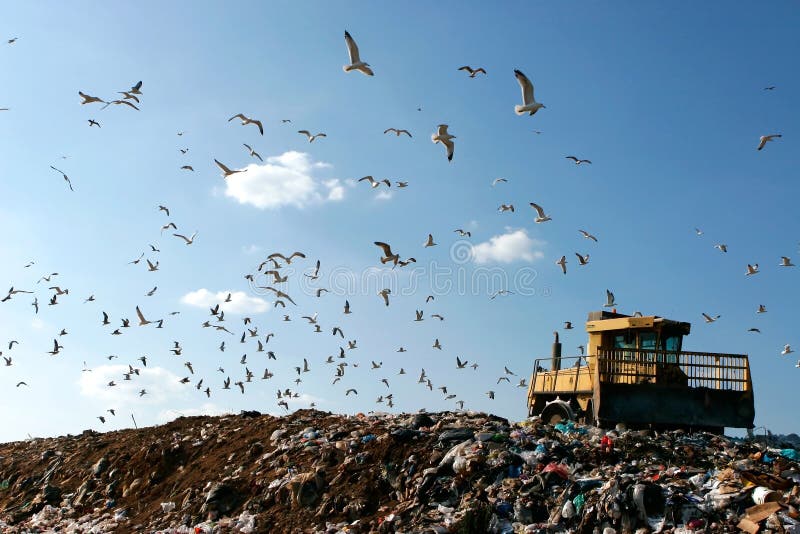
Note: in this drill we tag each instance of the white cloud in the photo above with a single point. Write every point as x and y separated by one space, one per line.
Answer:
285 180
240 302
511 246
157 381
384 195
251 249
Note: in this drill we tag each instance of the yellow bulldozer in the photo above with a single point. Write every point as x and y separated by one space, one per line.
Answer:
635 372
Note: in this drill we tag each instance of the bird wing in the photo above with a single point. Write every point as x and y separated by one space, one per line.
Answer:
260 126
177 235
222 166
609 296
298 254
141 317
306 132
387 249
707 317
238 115
526 86
352 48
466 68
538 209
442 129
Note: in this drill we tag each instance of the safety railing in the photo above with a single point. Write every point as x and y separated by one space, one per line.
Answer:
691 369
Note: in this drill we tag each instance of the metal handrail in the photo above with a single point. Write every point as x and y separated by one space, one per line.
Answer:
692 369
547 380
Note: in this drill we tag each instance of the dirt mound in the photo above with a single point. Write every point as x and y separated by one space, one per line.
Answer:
441 472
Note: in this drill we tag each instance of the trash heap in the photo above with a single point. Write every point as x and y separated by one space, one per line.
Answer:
461 472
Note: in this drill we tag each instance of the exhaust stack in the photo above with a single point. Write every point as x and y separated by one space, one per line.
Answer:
556 362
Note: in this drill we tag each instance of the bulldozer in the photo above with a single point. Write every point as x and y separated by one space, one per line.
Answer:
634 372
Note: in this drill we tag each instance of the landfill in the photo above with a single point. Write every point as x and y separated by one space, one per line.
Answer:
448 472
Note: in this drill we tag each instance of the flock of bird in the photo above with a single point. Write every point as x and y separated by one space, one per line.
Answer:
271 276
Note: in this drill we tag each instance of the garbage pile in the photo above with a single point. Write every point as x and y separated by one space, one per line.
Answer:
449 472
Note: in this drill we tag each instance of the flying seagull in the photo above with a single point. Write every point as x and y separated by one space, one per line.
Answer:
225 170
355 58
88 99
66 178
441 136
309 136
541 217
253 153
248 120
710 319
498 180
473 72
189 240
397 132
609 300
786 262
529 104
587 235
563 263
578 161
764 139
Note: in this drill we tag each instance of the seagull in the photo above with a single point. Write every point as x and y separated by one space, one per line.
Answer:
225 170
473 72
722 247
284 258
751 269
787 349
756 330
764 139
151 292
401 185
541 217
347 307
187 168
578 161
460 364
498 180
587 235
710 319
247 120
351 390
506 207
563 263
582 260
567 325
529 103
142 320
118 102
189 240
490 394
311 137
151 267
502 292
93 122
355 59
462 233
88 99
387 253
375 183
253 153
397 132
698 231
429 242
419 315
609 300
436 344
786 262
762 309
385 294
66 178
769 88
136 89
21 384
441 136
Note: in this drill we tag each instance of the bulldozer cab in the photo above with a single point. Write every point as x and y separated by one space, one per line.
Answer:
636 371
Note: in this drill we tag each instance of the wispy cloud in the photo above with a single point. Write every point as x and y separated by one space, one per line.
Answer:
285 180
230 301
512 246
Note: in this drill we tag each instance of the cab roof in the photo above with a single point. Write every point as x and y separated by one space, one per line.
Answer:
599 321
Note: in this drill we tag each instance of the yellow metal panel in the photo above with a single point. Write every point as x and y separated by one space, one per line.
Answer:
620 323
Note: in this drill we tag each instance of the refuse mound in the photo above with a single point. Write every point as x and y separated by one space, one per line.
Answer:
454 472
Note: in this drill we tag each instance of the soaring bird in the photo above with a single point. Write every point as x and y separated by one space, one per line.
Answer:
253 153
385 294
587 235
563 263
764 139
506 207
786 262
397 131
66 178
388 255
473 72
355 58
582 260
247 120
462 233
751 269
225 170
93 122
498 180
761 309
288 259
375 183
189 240
540 217
578 161
88 99
311 137
610 302
142 320
722 247
529 103
787 349
443 137
429 242
710 319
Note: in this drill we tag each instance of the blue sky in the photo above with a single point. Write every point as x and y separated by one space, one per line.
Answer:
666 100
